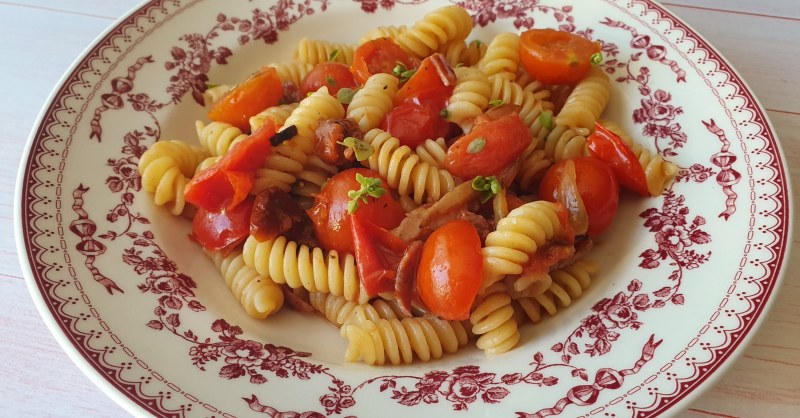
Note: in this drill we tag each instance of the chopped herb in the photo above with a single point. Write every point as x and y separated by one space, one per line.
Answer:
597 58
460 64
476 145
488 186
444 113
400 71
477 42
363 149
370 187
496 102
330 81
546 119
334 54
210 85
345 95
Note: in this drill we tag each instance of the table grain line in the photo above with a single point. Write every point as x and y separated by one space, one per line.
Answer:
53 9
738 12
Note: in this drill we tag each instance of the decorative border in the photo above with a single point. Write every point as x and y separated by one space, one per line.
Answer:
151 404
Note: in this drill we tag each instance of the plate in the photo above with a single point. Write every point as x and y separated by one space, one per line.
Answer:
146 316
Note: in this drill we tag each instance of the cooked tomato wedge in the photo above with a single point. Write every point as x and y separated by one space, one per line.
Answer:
451 270
378 253
556 57
221 230
330 215
413 123
260 91
432 83
489 148
227 182
609 147
333 75
379 56
597 186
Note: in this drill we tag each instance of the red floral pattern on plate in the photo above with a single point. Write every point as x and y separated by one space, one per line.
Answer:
174 293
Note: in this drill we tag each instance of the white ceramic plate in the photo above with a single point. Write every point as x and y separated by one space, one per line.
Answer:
685 278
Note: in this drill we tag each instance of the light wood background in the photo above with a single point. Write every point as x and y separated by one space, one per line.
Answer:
40 38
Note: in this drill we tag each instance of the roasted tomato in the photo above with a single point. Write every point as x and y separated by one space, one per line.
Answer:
413 123
597 187
333 75
260 91
556 57
220 230
451 270
608 147
330 213
379 56
489 148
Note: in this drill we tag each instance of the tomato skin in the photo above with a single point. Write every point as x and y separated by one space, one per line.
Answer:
413 123
609 147
556 57
378 253
505 139
378 56
451 270
333 75
432 83
260 91
220 230
597 187
330 217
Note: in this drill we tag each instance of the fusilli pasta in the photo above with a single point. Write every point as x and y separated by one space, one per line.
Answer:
294 71
315 52
586 102
318 106
459 53
568 283
435 30
493 319
166 168
433 152
502 56
470 97
258 295
373 101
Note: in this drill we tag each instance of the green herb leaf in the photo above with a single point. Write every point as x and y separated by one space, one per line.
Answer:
345 95
546 119
476 145
496 102
334 54
363 150
460 64
488 186
402 72
596 59
309 94
210 85
370 187
444 113
330 81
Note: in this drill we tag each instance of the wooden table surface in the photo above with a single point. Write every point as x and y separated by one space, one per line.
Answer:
40 38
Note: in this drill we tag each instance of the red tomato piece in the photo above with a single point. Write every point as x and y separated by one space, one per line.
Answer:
333 75
331 219
220 230
378 253
260 91
489 148
609 147
451 270
414 123
250 154
432 83
597 187
556 57
378 56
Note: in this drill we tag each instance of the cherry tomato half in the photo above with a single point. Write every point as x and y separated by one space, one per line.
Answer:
331 219
260 91
597 187
611 149
333 75
451 270
222 229
556 57
378 56
432 83
413 123
489 148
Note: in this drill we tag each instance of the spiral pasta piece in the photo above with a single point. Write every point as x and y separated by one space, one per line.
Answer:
516 238
435 30
400 341
530 105
458 53
534 164
470 97
318 106
373 101
502 56
433 152
259 296
218 137
278 114
214 93
313 177
339 311
493 319
391 32
404 170
658 172
315 52
563 142
293 72
283 261
166 168
568 283
586 102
